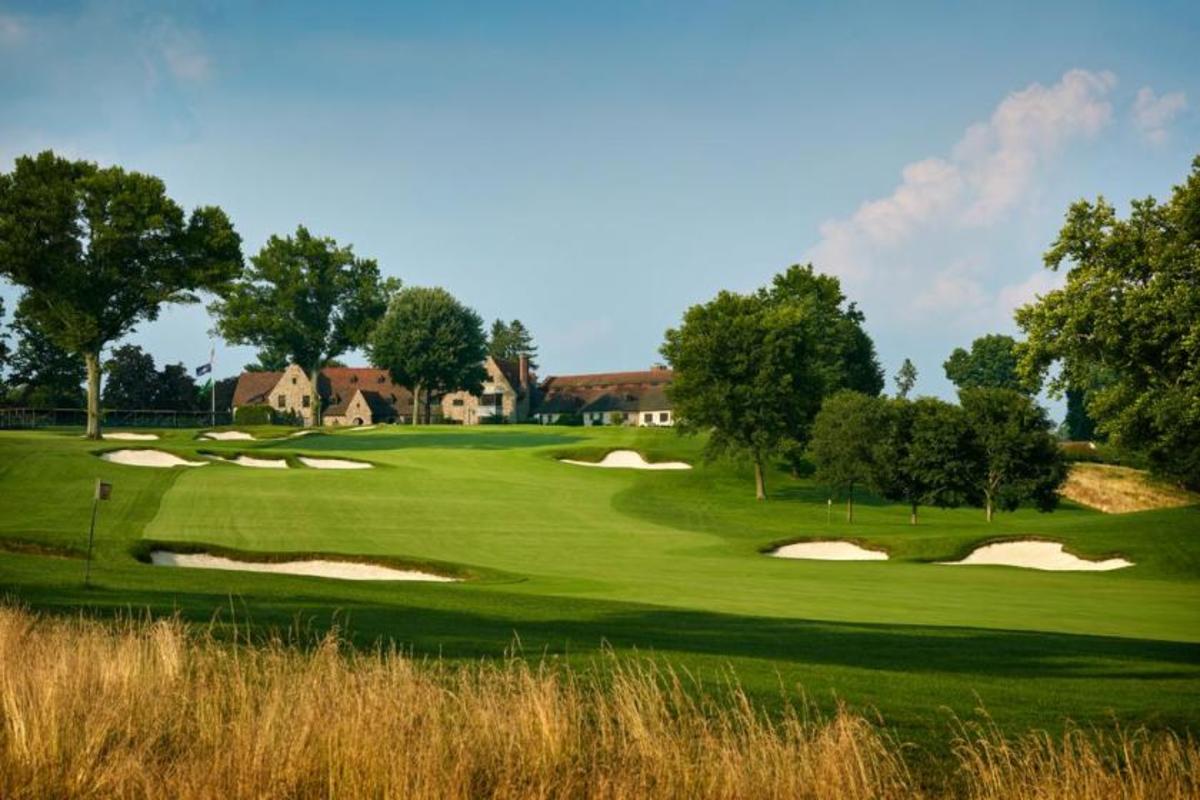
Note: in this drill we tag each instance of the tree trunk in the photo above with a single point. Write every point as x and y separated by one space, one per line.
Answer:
913 517
314 376
92 360
416 404
760 483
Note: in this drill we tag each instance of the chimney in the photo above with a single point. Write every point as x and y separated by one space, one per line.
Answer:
523 372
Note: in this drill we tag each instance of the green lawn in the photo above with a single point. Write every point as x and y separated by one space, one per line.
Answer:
569 560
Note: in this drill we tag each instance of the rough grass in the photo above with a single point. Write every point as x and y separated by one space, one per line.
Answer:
144 709
1121 490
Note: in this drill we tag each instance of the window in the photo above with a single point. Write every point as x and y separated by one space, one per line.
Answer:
664 416
305 401
281 401
647 417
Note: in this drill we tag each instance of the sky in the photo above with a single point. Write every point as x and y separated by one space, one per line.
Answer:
593 169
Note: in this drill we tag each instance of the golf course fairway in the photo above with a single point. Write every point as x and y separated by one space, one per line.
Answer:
557 560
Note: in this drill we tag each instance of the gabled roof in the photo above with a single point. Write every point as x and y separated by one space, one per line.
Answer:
252 388
339 384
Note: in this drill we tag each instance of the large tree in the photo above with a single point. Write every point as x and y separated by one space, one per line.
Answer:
304 299
1130 310
845 353
42 374
990 363
130 378
747 372
100 250
511 340
430 342
1015 458
844 446
924 455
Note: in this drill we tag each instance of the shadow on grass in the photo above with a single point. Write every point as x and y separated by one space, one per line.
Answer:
566 625
402 439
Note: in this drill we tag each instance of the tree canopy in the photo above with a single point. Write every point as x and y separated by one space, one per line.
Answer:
304 299
510 341
100 250
42 374
1130 310
991 363
924 455
1015 458
844 442
430 342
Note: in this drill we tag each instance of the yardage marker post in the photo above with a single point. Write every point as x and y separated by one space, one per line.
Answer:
103 491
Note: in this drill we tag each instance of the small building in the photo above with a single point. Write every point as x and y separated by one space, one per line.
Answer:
507 395
348 395
608 398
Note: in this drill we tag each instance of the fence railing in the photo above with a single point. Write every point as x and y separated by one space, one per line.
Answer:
11 418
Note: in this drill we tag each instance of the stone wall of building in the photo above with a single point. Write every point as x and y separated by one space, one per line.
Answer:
294 393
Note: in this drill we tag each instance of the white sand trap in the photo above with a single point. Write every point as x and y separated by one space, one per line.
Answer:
226 436
333 463
261 463
1037 555
829 551
131 437
149 458
628 459
317 568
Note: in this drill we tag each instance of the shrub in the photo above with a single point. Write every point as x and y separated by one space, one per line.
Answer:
260 414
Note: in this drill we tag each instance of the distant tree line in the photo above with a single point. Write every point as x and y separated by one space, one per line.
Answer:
97 251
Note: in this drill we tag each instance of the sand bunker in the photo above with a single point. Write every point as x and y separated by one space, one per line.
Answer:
132 437
1037 555
261 463
333 463
628 459
149 458
317 568
225 436
829 551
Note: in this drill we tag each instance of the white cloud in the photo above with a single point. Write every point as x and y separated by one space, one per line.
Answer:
928 240
1152 113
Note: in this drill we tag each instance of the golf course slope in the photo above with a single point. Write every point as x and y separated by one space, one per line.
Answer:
569 562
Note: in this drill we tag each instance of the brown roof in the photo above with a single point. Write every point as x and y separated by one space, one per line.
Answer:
338 385
252 387
649 377
606 391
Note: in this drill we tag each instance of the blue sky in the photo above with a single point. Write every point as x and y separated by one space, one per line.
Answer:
593 169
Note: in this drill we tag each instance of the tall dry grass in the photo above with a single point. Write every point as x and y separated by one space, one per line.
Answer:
147 709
